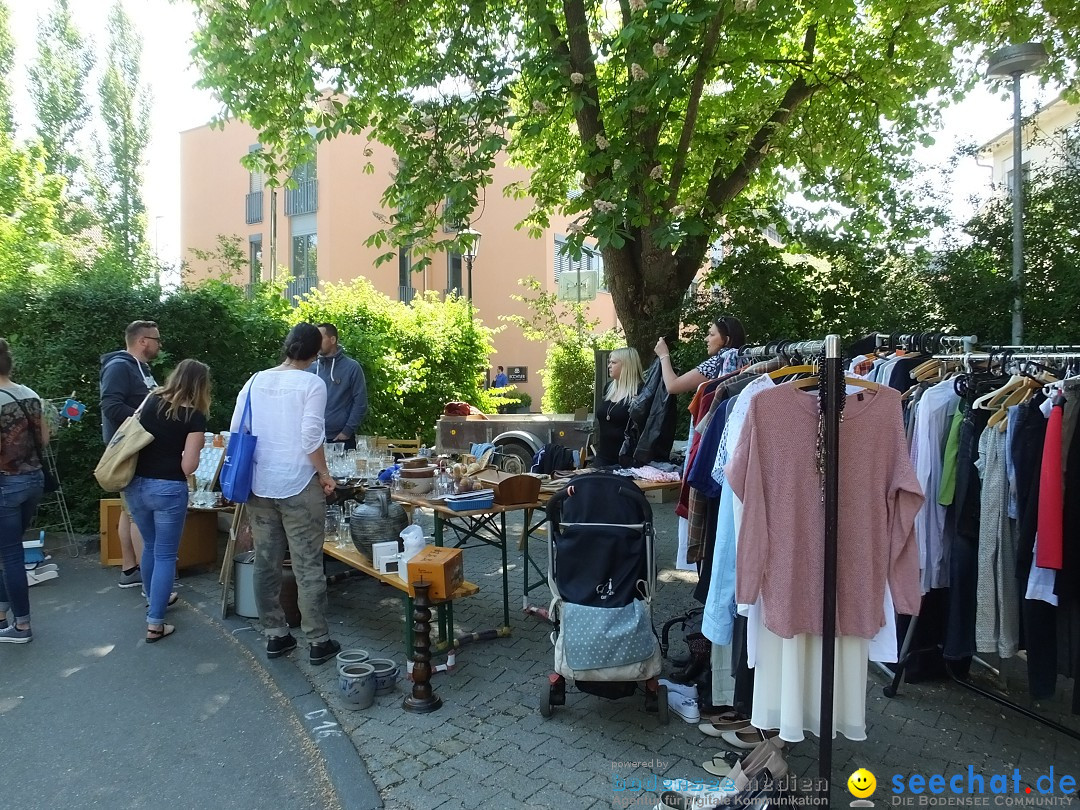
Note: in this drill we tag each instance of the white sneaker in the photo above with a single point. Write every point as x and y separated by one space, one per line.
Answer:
685 707
684 689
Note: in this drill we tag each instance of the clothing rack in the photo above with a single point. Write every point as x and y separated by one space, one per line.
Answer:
928 342
787 348
831 405
1007 354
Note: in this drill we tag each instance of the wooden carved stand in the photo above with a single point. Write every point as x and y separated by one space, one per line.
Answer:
423 698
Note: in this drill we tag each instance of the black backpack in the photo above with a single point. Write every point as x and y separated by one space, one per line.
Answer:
551 458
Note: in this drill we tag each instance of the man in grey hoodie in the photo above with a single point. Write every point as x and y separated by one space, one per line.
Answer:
346 388
126 379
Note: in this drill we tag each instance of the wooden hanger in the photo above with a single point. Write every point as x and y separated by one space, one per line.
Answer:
992 400
787 371
810 382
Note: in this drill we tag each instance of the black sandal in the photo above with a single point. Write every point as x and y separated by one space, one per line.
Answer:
154 636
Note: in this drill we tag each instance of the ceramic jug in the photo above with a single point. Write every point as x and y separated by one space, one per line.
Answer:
377 520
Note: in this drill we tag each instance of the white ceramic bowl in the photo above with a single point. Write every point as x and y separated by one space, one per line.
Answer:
416 486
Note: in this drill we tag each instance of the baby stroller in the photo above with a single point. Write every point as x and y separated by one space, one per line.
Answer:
602 573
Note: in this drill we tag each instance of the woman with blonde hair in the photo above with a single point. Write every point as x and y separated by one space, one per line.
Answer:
624 369
175 413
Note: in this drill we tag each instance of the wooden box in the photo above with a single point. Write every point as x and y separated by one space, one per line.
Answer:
438 566
198 543
511 489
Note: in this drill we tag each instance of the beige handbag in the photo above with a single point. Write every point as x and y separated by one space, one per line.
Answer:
117 465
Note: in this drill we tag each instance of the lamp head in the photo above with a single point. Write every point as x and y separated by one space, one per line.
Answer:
1016 59
470 243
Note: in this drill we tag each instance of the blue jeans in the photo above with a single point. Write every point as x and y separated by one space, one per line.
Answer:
159 508
19 497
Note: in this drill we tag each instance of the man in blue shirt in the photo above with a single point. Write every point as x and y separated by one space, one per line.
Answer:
501 380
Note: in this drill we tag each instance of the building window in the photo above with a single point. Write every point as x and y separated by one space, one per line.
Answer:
453 274
304 199
253 200
304 249
405 287
1009 177
255 258
591 260
304 265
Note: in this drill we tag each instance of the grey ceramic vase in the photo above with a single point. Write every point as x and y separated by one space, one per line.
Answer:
377 520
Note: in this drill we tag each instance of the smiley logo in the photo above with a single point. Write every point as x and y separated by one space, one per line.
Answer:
862 783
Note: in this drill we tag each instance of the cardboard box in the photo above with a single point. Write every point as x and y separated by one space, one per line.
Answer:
440 567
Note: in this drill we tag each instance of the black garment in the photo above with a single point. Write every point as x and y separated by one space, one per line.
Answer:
651 431
611 421
900 374
964 554
1038 618
161 458
123 384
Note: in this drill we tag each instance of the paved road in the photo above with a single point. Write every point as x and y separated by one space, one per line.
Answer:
91 716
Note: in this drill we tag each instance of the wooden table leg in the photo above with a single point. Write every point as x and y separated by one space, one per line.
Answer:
227 563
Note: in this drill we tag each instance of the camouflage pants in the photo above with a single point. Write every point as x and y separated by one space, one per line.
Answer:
297 523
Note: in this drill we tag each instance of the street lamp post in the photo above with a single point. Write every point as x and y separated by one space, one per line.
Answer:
470 242
1015 61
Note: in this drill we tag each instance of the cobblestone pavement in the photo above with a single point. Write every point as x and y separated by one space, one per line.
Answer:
488 746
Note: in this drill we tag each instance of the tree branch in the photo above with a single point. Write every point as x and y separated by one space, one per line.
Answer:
697 87
722 189
579 52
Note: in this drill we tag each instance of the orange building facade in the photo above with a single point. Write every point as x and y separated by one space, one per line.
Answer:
321 227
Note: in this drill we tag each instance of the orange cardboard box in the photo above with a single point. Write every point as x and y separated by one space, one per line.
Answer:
441 567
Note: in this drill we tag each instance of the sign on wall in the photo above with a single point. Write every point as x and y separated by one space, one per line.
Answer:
517 374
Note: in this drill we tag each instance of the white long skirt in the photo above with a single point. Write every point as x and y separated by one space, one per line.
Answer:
787 685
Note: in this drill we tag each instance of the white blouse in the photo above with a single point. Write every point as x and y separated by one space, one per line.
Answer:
287 409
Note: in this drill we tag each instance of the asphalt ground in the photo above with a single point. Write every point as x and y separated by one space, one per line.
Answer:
92 716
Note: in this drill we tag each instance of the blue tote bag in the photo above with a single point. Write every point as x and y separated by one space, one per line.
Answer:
238 468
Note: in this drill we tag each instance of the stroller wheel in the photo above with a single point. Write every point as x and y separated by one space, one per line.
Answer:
662 713
545 701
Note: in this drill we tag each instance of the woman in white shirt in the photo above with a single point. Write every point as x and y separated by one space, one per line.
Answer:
288 492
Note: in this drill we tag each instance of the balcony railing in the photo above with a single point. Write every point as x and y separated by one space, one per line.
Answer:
304 199
253 207
406 294
300 286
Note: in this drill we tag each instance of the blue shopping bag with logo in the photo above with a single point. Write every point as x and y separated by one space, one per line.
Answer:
238 469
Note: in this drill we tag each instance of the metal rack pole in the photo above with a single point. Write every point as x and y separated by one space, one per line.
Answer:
834 381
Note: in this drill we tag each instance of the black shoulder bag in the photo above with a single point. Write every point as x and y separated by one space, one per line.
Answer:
51 484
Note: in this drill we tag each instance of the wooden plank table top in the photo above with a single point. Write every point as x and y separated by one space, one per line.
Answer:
362 562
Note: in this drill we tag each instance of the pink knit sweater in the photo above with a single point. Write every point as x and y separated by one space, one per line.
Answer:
781 540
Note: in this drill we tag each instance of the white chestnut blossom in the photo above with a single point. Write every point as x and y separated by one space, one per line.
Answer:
638 72
601 142
577 78
657 172
660 50
604 207
540 108
637 5
616 165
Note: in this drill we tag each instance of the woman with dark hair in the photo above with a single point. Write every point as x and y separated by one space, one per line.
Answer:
288 492
21 485
175 414
724 339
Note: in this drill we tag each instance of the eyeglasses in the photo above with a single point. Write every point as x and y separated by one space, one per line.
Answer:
153 337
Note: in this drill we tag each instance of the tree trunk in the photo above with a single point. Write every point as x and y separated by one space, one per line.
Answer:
647 287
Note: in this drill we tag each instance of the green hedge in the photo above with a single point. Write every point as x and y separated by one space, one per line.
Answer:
415 357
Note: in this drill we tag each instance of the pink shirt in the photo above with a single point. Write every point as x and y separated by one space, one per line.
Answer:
781 540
